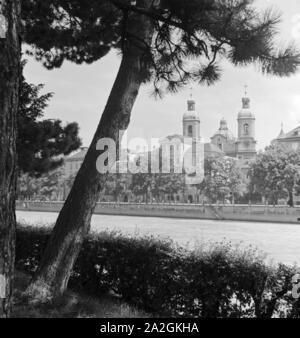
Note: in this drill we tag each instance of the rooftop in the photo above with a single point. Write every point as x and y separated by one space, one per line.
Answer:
80 155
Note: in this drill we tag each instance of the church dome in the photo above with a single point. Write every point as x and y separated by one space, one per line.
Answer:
191 113
246 112
224 130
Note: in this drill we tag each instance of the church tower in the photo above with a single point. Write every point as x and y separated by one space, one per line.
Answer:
191 130
246 143
191 121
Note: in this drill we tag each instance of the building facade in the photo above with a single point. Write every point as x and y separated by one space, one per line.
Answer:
74 162
290 140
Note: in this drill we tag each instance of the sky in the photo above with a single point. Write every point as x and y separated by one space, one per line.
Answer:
81 91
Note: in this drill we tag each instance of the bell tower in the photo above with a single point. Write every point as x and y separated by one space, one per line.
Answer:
191 120
246 143
191 130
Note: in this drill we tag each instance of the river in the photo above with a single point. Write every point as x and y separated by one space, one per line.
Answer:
281 242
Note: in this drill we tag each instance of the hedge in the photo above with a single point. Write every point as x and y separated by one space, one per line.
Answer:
161 278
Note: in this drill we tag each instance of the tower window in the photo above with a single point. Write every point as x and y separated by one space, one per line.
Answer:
246 129
190 131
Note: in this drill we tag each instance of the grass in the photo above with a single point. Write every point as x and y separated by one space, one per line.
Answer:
71 305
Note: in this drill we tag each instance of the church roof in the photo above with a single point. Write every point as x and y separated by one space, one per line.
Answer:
224 131
212 149
175 136
294 133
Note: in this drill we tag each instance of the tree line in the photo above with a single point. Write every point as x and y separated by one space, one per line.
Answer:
273 177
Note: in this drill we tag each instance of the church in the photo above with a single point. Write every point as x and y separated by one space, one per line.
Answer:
223 142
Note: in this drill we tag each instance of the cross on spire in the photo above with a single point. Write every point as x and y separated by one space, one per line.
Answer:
246 90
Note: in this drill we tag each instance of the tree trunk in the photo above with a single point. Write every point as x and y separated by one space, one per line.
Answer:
9 93
291 199
73 222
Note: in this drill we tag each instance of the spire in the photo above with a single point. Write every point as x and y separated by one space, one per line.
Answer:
282 133
191 102
245 99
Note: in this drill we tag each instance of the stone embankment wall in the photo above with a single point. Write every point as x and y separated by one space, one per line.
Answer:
254 213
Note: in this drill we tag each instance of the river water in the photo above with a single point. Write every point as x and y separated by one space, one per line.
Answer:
281 242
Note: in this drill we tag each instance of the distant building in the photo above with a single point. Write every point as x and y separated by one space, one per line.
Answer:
224 140
74 162
244 146
290 140
191 129
223 143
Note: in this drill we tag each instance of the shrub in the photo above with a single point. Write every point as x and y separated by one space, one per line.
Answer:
166 280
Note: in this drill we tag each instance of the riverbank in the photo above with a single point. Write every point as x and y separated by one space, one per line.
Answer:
253 213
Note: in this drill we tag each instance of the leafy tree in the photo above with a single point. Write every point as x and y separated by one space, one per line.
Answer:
167 42
275 174
27 187
10 56
49 186
167 184
116 185
222 178
141 185
156 185
41 143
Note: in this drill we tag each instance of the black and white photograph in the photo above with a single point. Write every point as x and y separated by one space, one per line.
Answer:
149 163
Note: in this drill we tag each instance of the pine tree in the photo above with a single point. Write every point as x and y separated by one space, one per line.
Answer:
167 42
41 143
10 54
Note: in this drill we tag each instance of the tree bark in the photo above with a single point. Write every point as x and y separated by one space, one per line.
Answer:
9 94
291 199
73 222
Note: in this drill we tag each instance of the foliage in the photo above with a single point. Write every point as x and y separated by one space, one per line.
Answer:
27 187
46 187
222 179
69 305
156 185
116 185
190 38
275 174
41 143
217 281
